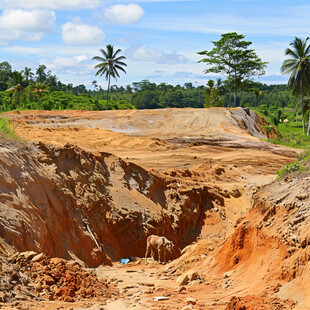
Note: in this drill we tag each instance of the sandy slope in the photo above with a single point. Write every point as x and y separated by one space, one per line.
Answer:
216 160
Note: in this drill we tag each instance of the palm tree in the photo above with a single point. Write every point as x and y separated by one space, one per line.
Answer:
52 82
17 79
306 108
28 74
94 83
128 89
210 85
299 68
109 63
257 93
41 74
39 88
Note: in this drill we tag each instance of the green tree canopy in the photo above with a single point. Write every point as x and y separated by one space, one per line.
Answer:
41 74
232 58
28 74
16 81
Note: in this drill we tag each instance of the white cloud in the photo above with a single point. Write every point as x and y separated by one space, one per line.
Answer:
31 21
24 50
25 25
147 54
50 4
143 53
171 58
67 64
8 36
81 34
124 14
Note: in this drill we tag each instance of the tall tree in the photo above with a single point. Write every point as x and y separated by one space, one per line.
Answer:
41 74
28 74
213 95
17 79
299 68
210 84
5 75
39 88
232 58
128 89
51 81
257 93
110 62
94 83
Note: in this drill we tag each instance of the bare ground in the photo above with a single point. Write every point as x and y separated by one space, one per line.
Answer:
215 149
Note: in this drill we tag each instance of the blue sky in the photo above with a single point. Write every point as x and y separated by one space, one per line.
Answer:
160 38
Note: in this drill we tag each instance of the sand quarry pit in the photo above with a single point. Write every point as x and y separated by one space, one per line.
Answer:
85 189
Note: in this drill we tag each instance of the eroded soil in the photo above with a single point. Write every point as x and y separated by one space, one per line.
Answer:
103 181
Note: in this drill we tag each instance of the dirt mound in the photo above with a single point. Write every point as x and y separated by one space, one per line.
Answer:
255 124
88 138
34 277
264 260
56 279
218 122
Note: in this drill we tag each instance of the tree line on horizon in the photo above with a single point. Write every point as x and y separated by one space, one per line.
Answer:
230 57
138 95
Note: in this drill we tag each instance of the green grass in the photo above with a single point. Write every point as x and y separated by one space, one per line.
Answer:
291 132
297 166
5 129
292 136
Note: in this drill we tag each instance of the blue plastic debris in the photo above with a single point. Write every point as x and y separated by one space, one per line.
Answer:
124 260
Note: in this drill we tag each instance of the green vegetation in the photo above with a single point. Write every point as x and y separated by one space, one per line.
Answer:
299 68
5 129
39 88
139 95
296 167
109 64
232 58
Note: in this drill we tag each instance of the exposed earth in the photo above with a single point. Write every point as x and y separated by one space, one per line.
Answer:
84 189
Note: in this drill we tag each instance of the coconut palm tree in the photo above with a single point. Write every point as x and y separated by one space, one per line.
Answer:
17 79
28 74
210 85
257 93
94 83
298 66
41 74
39 88
306 108
110 62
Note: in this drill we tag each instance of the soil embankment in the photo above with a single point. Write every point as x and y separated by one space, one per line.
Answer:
96 184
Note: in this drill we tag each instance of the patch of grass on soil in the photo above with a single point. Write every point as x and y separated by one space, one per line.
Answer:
5 129
297 166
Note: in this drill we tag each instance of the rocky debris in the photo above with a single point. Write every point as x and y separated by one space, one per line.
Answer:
50 279
191 301
228 274
188 277
257 302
